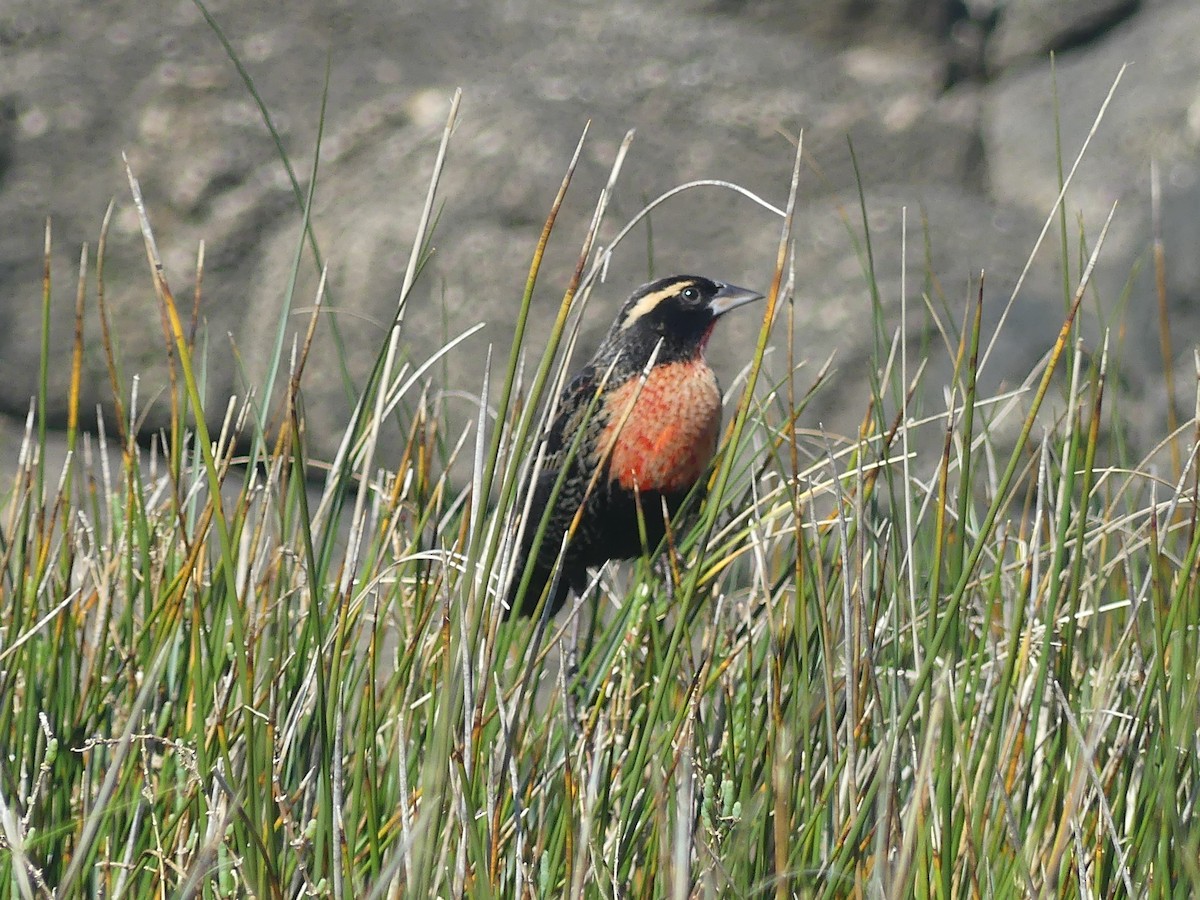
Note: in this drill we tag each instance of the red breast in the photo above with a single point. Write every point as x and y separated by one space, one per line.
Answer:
668 439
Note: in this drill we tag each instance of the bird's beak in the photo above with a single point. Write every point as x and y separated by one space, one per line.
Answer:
730 296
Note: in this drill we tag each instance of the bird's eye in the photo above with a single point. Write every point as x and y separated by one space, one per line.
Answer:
690 294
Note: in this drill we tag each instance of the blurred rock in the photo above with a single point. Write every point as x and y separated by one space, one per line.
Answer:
940 274
1154 117
1031 29
714 89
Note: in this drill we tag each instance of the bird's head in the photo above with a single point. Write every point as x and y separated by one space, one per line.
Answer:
679 312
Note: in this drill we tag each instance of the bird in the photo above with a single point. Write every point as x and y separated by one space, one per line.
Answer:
652 431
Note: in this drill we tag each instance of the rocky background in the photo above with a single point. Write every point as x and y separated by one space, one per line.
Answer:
950 105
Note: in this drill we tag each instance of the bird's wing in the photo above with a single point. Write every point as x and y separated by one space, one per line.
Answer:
569 415
572 407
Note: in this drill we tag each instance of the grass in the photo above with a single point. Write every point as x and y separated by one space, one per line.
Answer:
879 669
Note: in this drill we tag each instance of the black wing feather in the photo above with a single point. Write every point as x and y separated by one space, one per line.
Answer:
572 406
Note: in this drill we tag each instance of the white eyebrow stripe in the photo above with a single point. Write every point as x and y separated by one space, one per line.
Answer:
647 304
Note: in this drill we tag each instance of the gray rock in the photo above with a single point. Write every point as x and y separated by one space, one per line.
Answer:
721 98
715 90
1029 29
836 313
1153 117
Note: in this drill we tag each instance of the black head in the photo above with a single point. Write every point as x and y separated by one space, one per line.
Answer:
678 311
